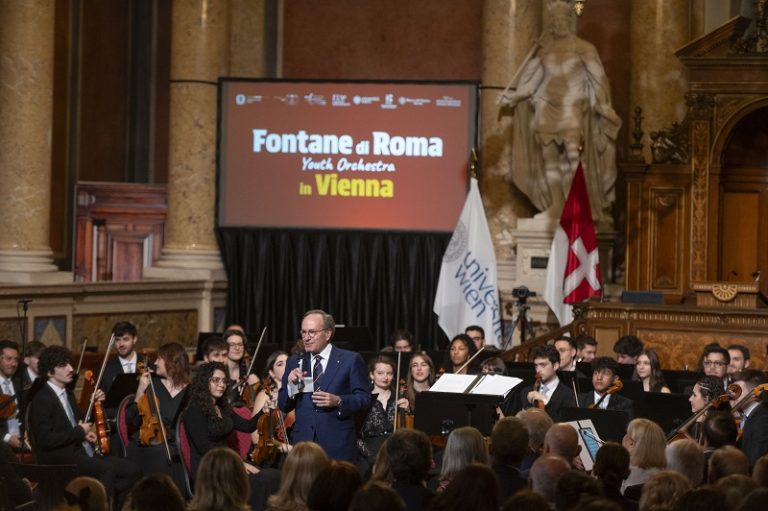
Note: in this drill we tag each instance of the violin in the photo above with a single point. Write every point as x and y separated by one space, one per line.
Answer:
99 419
616 386
272 432
7 406
406 416
152 429
732 393
738 408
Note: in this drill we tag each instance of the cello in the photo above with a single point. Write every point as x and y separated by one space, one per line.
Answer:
95 408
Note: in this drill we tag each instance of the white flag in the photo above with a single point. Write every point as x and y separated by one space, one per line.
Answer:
466 292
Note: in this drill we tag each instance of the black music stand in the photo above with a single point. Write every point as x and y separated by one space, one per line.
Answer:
439 413
667 410
121 386
354 338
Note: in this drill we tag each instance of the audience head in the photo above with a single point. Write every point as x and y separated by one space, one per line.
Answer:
726 461
302 465
334 487
221 483
646 443
715 360
509 442
465 445
572 486
760 471
477 334
611 464
86 493
719 429
526 500
408 453
627 349
473 488
705 498
493 365
562 440
544 474
402 340
566 347
740 358
537 422
376 496
586 347
546 359
686 457
156 492
755 501
214 349
735 487
704 391
662 489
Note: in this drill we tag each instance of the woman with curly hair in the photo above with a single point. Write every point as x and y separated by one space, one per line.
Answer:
461 349
170 382
209 421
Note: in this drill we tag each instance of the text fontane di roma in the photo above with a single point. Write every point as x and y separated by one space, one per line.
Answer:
381 144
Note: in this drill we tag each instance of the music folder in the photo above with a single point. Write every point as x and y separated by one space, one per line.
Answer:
122 385
589 441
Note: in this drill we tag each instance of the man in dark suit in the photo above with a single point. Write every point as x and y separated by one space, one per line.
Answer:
754 432
59 435
340 382
551 393
604 377
11 389
127 360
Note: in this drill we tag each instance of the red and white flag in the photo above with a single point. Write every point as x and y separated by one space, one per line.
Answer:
573 270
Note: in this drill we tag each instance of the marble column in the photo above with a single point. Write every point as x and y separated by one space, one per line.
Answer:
199 55
26 113
247 38
509 29
659 80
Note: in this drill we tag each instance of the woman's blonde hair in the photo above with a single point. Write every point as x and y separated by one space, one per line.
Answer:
302 465
649 444
465 446
221 483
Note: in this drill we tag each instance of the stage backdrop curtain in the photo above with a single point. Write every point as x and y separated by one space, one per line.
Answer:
378 279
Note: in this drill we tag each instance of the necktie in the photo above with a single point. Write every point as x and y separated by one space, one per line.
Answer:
543 388
71 416
128 367
317 370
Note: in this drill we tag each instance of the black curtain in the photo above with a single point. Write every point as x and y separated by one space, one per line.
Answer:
381 280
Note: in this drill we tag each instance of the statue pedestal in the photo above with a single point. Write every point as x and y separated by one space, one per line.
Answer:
533 241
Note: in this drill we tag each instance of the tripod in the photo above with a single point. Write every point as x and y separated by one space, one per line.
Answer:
521 322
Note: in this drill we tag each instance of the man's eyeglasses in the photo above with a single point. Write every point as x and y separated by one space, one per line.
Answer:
714 363
310 333
236 345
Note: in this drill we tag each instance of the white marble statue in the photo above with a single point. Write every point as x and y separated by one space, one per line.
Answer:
562 101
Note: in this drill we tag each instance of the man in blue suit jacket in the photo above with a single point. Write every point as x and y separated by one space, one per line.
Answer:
340 381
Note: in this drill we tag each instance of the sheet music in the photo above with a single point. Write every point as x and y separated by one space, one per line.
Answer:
496 385
454 383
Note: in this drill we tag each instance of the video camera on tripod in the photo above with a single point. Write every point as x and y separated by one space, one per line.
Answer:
522 293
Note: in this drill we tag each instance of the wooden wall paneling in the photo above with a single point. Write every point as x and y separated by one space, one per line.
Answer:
634 174
666 238
739 240
606 337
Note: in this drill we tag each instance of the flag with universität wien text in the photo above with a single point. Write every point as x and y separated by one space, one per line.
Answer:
573 270
467 293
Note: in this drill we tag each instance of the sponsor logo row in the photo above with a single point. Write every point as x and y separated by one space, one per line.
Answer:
386 101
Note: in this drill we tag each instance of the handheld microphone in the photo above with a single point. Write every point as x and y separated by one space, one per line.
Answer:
300 385
25 300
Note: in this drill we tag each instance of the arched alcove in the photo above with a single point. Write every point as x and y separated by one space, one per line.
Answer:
743 204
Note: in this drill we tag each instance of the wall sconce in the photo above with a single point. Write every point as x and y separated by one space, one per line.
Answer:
578 6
